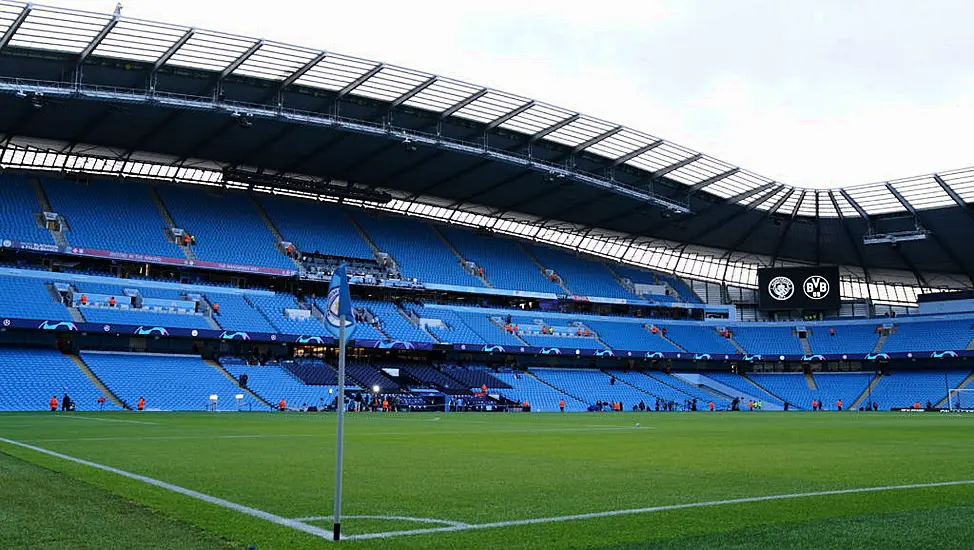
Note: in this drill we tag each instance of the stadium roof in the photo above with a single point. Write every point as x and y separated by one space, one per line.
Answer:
132 86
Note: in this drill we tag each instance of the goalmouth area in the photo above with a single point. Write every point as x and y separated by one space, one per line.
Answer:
197 480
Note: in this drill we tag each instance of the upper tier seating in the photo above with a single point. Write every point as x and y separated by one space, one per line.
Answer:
30 377
227 227
29 298
18 204
581 276
529 328
131 224
119 316
320 227
637 276
168 382
417 249
480 323
273 383
769 340
902 389
851 339
505 264
930 336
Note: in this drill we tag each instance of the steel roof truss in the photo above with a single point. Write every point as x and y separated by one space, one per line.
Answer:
99 37
676 166
604 135
629 156
415 90
15 25
554 128
359 81
713 179
511 114
164 58
463 103
240 60
293 77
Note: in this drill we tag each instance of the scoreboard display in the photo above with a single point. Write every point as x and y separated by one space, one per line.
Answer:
802 288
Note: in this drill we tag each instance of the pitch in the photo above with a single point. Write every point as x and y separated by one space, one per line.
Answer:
748 480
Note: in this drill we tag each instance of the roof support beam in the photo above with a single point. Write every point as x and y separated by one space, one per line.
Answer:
736 199
676 166
359 81
953 195
725 220
784 232
855 205
239 60
293 77
165 57
848 233
463 103
504 118
818 230
936 238
713 179
784 198
100 36
631 155
412 93
15 25
604 135
553 128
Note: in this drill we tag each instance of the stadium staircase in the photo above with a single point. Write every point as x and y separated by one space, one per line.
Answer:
278 238
500 326
45 204
97 381
672 342
463 261
648 327
734 343
261 311
760 387
882 340
622 380
806 347
970 345
206 308
810 381
230 377
558 280
556 388
188 252
595 334
961 386
865 393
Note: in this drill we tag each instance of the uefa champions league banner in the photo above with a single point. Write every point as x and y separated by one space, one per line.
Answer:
328 340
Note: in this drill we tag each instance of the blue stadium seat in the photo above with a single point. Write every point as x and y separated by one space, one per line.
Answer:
505 264
30 377
580 275
320 227
18 204
132 223
228 228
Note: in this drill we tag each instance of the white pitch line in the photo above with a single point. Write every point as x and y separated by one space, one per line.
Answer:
168 437
293 524
109 420
391 518
651 509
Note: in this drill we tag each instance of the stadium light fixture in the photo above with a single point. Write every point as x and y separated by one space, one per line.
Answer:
375 389
896 237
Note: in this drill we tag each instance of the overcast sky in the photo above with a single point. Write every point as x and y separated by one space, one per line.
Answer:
812 93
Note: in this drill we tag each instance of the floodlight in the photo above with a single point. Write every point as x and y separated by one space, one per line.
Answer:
213 397
238 396
375 389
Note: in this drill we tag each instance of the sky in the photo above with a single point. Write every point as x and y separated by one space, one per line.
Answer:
815 94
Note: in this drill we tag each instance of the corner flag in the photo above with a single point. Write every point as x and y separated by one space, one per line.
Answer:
339 304
339 320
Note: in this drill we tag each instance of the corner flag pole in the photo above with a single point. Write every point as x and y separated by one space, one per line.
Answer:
340 444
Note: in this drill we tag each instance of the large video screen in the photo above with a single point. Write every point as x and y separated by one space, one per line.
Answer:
812 288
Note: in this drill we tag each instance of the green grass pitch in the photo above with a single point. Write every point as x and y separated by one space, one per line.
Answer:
467 470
